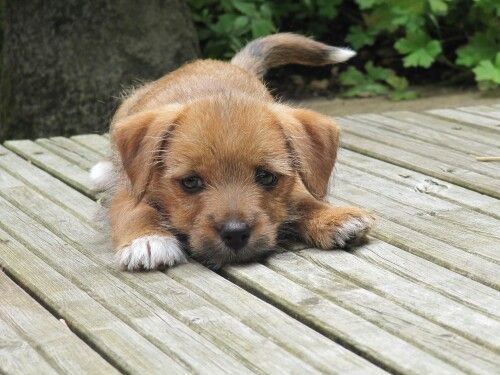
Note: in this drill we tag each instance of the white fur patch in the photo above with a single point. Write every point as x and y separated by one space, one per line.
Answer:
352 230
150 252
101 175
338 54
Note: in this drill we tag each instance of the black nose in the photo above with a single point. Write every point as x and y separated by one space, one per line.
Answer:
235 234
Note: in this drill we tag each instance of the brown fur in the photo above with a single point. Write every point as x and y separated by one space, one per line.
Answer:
219 121
275 50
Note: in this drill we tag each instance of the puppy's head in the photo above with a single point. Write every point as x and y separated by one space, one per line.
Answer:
225 171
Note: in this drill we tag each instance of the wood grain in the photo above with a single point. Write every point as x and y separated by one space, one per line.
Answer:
51 338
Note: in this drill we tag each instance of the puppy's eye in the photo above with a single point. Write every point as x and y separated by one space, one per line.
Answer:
266 178
192 184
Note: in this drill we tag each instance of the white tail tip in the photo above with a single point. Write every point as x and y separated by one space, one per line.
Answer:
341 54
101 175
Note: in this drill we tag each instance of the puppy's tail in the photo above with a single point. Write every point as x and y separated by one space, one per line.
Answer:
285 48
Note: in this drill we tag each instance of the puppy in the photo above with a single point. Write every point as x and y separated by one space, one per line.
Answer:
204 161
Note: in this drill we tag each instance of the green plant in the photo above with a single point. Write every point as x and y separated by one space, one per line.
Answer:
399 41
376 81
227 24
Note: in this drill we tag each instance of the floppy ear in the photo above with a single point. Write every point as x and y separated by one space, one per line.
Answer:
140 140
313 140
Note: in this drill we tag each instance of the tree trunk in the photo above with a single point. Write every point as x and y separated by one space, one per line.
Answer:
65 63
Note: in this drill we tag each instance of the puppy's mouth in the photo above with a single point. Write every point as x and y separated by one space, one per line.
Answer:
214 255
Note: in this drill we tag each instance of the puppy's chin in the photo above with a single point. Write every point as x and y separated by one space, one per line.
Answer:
216 254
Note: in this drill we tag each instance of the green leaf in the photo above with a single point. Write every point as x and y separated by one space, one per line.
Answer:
351 77
379 19
265 11
241 22
359 37
409 14
367 89
403 95
327 8
419 48
246 8
398 83
488 70
366 4
482 46
489 6
378 73
224 24
438 7
376 81
261 27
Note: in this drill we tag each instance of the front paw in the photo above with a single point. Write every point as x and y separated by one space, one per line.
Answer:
352 231
338 227
150 253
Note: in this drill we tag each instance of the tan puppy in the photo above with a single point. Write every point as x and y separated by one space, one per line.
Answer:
206 162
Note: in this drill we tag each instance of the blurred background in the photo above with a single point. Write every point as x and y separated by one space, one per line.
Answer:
65 64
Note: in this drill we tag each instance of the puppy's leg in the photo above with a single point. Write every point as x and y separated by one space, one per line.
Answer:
140 242
327 227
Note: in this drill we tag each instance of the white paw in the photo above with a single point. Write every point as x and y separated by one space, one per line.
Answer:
150 252
101 175
352 231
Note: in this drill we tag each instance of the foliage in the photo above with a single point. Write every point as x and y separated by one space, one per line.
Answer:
398 41
376 81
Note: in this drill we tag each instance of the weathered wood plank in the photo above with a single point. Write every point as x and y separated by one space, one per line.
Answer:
17 355
53 164
485 123
444 126
337 322
415 181
427 165
433 276
70 150
154 322
49 186
263 354
482 110
417 147
94 142
469 323
82 313
393 225
436 251
458 144
61 347
428 215
269 321
308 271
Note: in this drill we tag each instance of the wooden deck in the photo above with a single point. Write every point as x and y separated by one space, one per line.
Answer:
421 298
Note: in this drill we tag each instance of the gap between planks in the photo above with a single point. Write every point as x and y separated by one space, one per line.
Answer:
417 143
